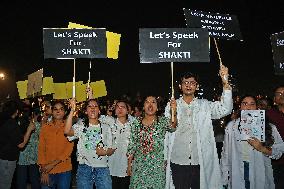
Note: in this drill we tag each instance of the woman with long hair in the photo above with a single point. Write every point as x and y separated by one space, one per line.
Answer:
93 148
120 126
54 151
246 164
146 163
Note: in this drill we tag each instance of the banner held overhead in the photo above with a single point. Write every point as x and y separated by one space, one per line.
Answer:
222 26
173 45
74 43
277 43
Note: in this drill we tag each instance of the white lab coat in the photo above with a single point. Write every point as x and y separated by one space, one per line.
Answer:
203 111
260 169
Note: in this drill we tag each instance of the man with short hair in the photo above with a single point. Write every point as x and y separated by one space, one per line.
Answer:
276 116
192 155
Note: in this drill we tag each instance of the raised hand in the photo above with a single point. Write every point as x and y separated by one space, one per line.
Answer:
89 92
224 74
173 105
72 104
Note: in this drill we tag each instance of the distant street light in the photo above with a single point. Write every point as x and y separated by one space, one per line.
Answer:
2 76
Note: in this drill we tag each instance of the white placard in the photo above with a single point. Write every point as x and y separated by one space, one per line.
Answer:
252 124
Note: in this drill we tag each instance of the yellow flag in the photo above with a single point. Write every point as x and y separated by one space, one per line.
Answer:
99 88
69 89
72 25
113 40
80 91
22 88
47 85
59 91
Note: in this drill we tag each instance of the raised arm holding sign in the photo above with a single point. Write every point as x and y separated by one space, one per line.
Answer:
194 134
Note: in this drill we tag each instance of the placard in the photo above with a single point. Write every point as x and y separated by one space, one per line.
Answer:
277 43
74 43
34 83
173 45
22 88
223 26
252 124
99 88
47 86
113 40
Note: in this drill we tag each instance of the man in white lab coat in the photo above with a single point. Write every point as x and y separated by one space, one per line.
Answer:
191 153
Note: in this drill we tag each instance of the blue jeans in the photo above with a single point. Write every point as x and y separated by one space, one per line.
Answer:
246 174
7 169
28 171
87 176
59 181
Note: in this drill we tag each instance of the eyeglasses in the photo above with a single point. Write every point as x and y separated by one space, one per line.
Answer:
193 83
279 93
248 104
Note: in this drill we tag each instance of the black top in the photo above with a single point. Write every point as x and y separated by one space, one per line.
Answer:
10 137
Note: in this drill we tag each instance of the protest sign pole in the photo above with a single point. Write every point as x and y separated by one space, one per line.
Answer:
219 56
172 75
74 81
173 91
89 78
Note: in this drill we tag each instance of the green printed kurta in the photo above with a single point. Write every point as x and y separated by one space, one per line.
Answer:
147 146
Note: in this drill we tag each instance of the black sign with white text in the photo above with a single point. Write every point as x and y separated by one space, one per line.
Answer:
277 43
222 26
74 43
173 45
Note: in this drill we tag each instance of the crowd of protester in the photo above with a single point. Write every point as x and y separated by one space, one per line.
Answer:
142 142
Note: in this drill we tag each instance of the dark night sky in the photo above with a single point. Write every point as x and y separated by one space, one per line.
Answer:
249 61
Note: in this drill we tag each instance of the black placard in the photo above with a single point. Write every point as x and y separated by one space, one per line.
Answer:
173 45
74 43
277 43
221 26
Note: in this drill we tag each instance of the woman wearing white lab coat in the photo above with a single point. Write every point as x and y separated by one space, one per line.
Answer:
238 155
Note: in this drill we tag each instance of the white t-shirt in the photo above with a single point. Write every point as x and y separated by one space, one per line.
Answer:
120 135
184 151
89 138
